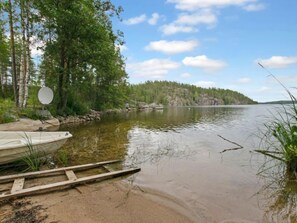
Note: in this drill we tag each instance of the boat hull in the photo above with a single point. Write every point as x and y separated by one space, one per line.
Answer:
15 145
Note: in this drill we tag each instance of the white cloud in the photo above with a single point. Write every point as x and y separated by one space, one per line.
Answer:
244 80
202 17
36 47
185 75
185 23
290 79
205 84
154 68
205 63
254 7
172 47
172 28
277 61
192 5
154 19
135 20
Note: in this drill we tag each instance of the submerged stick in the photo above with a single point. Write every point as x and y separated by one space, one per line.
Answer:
236 148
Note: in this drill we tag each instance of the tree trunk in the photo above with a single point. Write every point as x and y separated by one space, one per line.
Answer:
21 81
14 73
23 65
1 80
61 84
28 56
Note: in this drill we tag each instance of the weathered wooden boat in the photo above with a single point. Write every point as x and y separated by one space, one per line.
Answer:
15 145
18 188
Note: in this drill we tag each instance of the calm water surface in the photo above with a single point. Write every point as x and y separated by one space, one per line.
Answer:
179 151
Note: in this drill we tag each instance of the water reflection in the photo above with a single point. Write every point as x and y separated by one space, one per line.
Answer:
176 118
179 152
153 149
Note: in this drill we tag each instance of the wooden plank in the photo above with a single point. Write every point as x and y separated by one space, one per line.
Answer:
55 171
18 185
70 175
109 169
63 184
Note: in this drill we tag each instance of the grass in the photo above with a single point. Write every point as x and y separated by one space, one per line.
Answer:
6 111
62 157
280 137
10 113
33 159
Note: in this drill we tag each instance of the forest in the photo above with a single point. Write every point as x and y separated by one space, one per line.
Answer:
80 60
170 93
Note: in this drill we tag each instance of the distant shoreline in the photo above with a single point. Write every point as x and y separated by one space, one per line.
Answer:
282 102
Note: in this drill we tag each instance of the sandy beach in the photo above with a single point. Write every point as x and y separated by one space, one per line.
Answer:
113 201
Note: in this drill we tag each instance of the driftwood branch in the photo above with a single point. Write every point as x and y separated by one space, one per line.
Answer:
236 148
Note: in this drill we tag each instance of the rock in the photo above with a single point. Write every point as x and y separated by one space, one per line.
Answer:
26 124
93 115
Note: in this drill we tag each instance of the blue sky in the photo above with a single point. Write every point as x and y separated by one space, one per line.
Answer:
212 43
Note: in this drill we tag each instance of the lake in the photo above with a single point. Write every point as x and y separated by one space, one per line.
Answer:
180 151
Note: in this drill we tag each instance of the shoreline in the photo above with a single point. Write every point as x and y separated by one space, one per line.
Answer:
111 201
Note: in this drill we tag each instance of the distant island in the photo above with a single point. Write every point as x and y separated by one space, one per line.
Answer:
281 102
168 93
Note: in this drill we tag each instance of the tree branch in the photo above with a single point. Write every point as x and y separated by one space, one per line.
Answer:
236 148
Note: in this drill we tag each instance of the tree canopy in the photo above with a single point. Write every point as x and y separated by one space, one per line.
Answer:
80 61
170 93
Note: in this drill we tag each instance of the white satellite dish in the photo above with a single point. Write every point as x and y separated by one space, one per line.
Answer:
45 95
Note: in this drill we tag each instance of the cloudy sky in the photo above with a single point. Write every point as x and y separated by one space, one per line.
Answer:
212 43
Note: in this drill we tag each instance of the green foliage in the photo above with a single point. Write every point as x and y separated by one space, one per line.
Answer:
33 159
280 137
62 157
6 111
81 62
9 113
4 58
6 118
177 94
33 100
30 113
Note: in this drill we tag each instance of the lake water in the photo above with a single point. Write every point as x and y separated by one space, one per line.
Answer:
179 151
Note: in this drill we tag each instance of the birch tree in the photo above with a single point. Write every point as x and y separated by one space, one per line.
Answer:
25 53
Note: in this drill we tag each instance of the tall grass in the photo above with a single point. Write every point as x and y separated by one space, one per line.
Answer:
280 137
62 157
33 158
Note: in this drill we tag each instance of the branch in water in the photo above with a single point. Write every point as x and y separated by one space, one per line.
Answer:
236 148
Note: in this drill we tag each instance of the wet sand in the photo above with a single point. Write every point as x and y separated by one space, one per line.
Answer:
113 202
